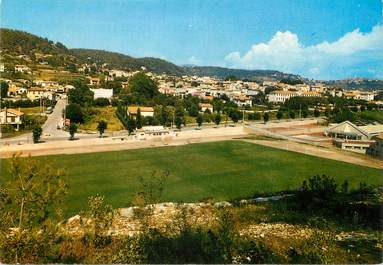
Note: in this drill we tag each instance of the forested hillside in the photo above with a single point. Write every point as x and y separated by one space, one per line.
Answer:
123 61
25 43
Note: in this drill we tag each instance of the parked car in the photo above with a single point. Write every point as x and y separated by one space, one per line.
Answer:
49 110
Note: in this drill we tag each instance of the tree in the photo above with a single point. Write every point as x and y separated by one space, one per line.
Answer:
143 86
362 108
305 113
37 131
327 112
279 115
217 119
316 113
101 127
102 215
138 119
199 120
81 94
4 89
231 78
72 130
178 121
235 115
193 110
74 113
30 202
266 117
101 102
292 114
131 125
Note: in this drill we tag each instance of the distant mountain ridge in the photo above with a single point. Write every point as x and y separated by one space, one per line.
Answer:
222 72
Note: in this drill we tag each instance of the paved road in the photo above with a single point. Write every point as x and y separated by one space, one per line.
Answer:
54 119
50 132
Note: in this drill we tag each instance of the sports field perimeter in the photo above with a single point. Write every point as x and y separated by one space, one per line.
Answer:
218 170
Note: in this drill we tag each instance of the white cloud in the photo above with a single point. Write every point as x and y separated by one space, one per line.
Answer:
345 57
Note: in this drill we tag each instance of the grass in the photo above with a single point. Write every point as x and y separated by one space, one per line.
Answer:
31 110
220 170
371 115
107 114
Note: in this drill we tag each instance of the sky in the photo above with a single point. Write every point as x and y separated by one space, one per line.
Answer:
320 39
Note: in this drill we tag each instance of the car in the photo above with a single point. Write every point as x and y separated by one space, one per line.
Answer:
49 110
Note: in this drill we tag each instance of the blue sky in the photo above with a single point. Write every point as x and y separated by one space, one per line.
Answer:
323 39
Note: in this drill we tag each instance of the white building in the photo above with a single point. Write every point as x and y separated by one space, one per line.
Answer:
102 93
280 96
37 93
11 116
22 69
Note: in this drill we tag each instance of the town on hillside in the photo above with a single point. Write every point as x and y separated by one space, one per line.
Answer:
141 103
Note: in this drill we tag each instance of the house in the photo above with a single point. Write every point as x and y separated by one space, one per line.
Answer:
37 93
351 137
2 68
145 111
125 84
348 131
94 81
206 106
102 93
44 83
243 100
11 116
14 90
150 131
118 73
280 96
309 94
22 68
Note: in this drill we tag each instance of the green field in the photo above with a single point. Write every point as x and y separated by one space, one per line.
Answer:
219 170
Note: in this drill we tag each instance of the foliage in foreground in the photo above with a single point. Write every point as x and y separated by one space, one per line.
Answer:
30 226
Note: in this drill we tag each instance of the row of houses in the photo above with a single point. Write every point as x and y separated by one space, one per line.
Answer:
149 111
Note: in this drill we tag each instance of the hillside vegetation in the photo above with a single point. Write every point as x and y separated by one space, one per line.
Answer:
20 42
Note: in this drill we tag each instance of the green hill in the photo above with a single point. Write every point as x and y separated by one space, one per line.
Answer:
16 41
123 61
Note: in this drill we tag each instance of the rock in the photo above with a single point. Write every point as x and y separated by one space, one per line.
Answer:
127 212
222 204
75 220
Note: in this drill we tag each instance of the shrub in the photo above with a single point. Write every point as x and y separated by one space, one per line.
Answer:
37 130
75 113
101 102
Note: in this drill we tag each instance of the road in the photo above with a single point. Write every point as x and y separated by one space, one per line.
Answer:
50 132
54 119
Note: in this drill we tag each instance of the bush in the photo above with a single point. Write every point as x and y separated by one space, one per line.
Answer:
75 113
37 130
101 102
